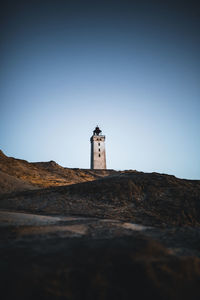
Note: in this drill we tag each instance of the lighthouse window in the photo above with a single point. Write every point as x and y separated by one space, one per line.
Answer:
99 150
99 155
99 144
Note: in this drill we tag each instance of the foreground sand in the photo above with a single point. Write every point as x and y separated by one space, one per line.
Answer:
72 257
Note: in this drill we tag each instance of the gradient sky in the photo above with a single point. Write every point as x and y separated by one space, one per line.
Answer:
132 67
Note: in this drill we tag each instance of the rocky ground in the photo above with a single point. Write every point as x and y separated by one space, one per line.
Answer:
119 235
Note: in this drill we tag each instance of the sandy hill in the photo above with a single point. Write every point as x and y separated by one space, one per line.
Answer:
18 175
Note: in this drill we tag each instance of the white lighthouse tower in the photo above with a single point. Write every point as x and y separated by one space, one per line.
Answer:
98 152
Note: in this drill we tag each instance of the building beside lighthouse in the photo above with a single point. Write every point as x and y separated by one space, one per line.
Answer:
98 152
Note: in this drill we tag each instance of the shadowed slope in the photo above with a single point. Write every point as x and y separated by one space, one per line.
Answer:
10 183
145 198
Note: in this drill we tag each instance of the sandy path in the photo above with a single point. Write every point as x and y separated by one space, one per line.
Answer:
62 223
24 219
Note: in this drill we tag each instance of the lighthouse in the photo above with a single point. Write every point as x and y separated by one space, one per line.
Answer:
98 152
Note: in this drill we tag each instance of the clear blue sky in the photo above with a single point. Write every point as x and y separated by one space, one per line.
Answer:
131 67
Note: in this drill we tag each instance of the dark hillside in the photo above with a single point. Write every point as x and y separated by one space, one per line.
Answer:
145 198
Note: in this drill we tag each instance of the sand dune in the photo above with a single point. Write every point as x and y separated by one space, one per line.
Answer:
17 174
